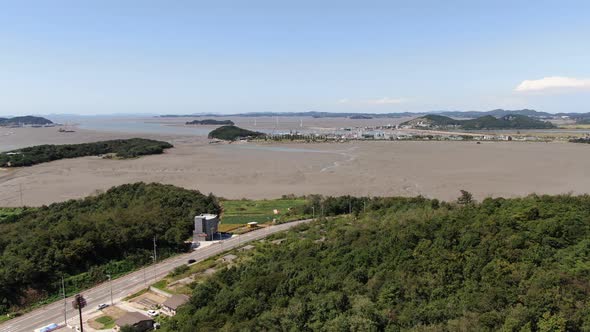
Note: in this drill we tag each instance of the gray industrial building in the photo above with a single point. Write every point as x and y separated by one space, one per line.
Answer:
206 226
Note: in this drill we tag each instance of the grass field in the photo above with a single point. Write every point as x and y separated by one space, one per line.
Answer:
6 213
107 322
239 212
229 227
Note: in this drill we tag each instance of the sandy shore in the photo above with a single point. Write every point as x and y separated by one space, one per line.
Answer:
432 169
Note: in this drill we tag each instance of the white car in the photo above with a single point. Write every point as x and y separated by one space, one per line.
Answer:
102 306
152 313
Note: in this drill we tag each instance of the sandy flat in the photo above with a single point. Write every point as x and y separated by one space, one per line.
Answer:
432 169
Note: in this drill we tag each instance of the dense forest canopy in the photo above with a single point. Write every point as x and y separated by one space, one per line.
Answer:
121 148
109 233
411 264
231 133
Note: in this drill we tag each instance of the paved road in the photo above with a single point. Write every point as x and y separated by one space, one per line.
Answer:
131 283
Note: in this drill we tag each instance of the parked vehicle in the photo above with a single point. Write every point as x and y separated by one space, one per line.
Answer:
191 261
48 328
152 313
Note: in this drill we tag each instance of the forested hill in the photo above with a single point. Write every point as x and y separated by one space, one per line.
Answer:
84 240
514 121
231 133
412 265
24 120
506 122
121 148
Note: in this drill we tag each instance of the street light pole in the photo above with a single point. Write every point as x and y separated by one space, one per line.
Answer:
111 284
155 258
63 292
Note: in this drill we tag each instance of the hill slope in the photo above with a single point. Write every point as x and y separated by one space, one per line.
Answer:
412 265
432 121
231 133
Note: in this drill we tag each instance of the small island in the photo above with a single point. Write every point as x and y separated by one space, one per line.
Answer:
233 133
488 122
211 122
29 120
120 148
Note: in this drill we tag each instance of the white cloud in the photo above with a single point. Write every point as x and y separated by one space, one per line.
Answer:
380 101
553 83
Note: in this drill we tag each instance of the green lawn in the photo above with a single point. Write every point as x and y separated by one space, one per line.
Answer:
261 211
107 322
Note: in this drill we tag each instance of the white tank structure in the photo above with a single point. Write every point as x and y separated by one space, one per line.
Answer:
206 226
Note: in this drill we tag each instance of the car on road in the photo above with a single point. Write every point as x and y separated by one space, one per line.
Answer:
190 261
48 328
152 313
102 306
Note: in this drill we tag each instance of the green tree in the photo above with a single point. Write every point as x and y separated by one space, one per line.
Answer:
465 198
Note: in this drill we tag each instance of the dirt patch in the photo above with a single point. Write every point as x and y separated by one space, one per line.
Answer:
114 312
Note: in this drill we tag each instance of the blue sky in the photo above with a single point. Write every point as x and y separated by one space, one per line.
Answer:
102 57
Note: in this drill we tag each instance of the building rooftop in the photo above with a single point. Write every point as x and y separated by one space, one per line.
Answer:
229 257
131 318
246 248
207 216
175 301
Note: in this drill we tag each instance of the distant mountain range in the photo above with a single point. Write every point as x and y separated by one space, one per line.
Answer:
28 120
510 121
455 114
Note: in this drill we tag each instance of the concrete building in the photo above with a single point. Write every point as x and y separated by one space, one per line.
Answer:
171 305
136 320
228 258
206 226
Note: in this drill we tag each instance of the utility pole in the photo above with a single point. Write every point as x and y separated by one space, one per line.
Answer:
111 284
313 212
20 186
79 303
63 293
155 258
